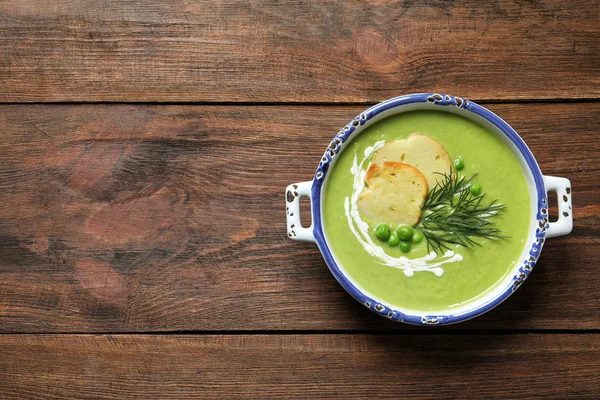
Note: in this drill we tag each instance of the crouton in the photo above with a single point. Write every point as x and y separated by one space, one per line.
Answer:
394 194
419 151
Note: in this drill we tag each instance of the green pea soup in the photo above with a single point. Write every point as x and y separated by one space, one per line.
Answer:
481 269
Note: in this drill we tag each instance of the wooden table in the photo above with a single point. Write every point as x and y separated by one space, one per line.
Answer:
144 154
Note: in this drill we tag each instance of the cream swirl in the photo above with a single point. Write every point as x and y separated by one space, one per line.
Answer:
431 262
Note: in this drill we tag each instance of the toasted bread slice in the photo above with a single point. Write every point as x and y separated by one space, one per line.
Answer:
422 152
395 194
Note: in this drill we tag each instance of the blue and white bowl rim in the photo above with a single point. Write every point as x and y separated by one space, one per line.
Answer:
442 100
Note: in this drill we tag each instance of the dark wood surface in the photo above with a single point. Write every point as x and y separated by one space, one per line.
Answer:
126 221
297 50
162 218
302 366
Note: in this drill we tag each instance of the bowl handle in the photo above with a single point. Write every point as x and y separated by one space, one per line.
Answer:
562 188
293 194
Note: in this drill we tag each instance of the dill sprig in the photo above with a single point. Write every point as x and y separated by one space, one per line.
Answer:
451 215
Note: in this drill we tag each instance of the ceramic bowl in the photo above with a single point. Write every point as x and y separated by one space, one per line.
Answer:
539 186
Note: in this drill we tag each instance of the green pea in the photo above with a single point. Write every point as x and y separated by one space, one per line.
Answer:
404 232
404 246
383 231
417 237
393 240
459 164
475 189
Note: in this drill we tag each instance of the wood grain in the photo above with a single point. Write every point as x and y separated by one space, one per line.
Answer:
163 218
296 51
300 366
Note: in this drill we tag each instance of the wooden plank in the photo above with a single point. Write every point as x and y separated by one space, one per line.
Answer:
152 218
296 51
523 366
